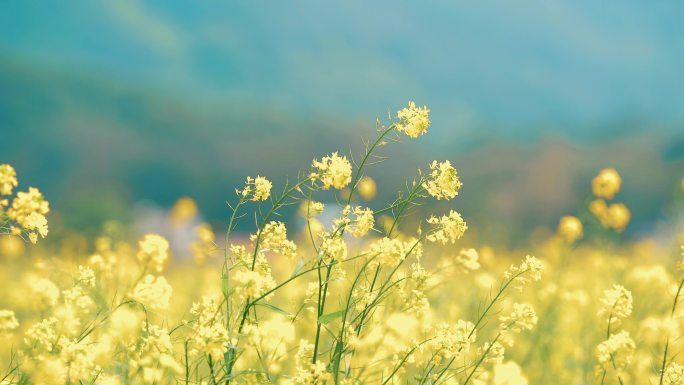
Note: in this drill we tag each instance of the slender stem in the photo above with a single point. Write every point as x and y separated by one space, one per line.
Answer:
482 317
357 175
667 340
322 294
479 362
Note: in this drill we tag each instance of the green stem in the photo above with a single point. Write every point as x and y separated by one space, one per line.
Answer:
667 340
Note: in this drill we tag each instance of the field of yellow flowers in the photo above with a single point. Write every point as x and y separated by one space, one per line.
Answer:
378 295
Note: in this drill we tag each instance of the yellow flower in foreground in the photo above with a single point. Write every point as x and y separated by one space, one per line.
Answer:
153 292
570 229
674 374
334 171
413 121
443 181
606 184
509 373
8 179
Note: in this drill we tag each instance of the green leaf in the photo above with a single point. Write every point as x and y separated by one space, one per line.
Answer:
298 268
326 318
279 310
224 284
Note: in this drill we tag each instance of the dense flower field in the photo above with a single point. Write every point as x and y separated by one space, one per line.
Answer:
377 295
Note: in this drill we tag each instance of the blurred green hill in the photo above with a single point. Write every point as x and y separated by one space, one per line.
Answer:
97 146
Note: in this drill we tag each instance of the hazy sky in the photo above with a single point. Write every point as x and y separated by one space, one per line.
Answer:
509 63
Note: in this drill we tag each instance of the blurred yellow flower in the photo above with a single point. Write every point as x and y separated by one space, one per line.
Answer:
570 229
8 179
606 184
509 373
367 188
153 251
153 292
183 210
8 321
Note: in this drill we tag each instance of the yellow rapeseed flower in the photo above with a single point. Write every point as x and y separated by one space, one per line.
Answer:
443 181
8 179
333 171
606 184
570 229
413 121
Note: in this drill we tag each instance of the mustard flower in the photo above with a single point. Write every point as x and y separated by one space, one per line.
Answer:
210 336
413 121
509 373
333 171
570 229
530 269
8 321
450 228
467 260
153 251
616 352
523 317
256 189
333 246
616 303
153 292
8 179
273 237
443 181
252 284
362 222
674 374
606 184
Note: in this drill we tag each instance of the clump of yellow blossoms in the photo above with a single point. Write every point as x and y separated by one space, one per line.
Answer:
606 184
256 189
153 251
615 216
361 223
26 214
8 321
450 228
153 292
616 352
274 237
443 181
413 121
333 171
616 303
8 179
674 374
523 317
